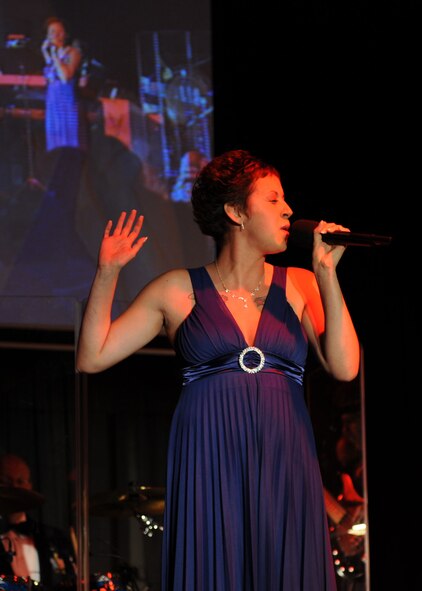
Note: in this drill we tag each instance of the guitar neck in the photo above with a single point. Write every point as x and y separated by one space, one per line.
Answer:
335 511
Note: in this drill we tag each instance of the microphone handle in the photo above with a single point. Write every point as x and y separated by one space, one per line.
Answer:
355 239
301 234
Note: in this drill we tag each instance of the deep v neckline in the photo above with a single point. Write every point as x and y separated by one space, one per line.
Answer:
230 315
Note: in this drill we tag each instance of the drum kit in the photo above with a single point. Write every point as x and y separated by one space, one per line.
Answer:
145 503
147 500
14 500
138 501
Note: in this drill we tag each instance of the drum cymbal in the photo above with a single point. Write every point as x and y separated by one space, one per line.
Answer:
146 500
14 499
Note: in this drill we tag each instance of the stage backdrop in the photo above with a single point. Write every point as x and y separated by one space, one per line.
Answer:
147 101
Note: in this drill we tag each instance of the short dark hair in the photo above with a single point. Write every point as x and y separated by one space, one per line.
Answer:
54 19
228 178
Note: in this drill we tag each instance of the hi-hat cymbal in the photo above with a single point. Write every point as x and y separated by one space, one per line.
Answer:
14 499
146 500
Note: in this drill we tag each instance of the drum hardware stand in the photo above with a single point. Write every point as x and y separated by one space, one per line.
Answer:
149 525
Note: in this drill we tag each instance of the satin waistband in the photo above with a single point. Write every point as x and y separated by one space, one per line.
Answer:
250 360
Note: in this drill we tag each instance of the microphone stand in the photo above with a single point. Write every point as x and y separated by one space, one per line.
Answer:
32 182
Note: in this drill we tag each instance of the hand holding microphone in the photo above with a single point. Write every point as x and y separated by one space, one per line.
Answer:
49 49
46 45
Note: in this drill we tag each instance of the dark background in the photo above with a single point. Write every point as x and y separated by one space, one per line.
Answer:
328 92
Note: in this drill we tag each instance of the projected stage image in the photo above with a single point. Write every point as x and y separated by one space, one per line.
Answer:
62 176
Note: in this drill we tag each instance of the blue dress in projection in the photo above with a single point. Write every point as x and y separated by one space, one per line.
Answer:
244 500
65 124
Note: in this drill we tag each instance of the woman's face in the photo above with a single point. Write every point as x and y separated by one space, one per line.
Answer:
56 34
268 215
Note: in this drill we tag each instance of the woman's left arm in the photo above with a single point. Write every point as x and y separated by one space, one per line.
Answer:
66 69
325 317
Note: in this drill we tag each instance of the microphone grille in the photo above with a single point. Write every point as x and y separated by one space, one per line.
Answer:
302 233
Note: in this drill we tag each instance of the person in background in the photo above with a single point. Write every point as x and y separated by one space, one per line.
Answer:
65 124
346 507
244 506
349 455
190 165
30 549
54 259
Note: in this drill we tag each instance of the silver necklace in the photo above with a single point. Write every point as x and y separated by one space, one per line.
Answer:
232 294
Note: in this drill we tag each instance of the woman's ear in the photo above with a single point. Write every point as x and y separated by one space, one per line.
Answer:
233 213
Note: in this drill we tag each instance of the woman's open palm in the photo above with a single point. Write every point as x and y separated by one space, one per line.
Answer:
121 245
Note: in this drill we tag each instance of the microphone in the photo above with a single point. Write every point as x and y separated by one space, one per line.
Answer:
49 47
302 234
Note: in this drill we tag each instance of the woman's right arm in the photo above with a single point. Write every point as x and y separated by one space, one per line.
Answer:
103 342
45 50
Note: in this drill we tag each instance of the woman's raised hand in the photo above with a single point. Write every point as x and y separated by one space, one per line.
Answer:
121 245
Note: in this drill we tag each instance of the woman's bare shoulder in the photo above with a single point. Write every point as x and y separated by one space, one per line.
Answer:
73 54
174 278
171 293
166 288
300 279
299 273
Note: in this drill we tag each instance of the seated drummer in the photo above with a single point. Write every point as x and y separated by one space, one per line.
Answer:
28 548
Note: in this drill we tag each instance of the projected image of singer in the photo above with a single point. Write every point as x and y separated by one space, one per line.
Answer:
244 506
66 131
53 259
65 124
